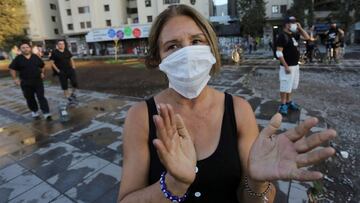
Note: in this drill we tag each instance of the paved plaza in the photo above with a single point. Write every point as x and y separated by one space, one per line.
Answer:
81 160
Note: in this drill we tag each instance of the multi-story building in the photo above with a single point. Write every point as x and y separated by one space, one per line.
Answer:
149 9
96 25
134 31
44 22
81 16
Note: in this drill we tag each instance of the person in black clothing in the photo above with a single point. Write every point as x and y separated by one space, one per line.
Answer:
333 39
64 66
288 54
311 43
31 73
193 143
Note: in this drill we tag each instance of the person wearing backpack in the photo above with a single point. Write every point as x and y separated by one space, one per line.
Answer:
288 54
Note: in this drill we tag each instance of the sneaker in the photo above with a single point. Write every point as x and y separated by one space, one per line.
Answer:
73 95
293 106
283 109
47 116
35 115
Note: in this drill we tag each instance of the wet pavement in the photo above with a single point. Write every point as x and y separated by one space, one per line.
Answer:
80 160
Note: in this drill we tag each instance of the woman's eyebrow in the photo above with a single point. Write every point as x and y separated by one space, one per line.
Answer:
198 35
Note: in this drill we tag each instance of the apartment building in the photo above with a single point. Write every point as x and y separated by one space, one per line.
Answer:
81 16
134 32
44 22
149 9
95 24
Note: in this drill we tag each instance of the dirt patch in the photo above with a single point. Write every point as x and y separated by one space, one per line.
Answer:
130 77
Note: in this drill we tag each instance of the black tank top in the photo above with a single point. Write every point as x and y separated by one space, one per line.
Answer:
219 175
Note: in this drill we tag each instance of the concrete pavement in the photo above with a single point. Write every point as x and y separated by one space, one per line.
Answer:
80 161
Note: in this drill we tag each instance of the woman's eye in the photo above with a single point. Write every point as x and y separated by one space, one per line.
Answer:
172 47
196 41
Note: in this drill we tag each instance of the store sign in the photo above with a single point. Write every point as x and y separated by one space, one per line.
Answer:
109 34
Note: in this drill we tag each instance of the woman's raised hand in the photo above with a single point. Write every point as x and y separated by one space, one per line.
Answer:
274 157
174 145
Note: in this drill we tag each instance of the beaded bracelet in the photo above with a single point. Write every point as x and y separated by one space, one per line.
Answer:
167 193
255 194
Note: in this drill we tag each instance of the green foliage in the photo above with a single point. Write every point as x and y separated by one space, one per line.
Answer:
298 10
252 16
12 21
348 12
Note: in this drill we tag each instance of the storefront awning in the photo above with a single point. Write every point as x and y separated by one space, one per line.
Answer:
126 32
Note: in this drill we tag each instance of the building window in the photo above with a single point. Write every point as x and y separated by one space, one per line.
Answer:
149 19
147 3
275 9
171 1
283 9
70 26
106 7
131 10
56 31
52 6
88 24
108 23
82 25
53 18
68 12
84 9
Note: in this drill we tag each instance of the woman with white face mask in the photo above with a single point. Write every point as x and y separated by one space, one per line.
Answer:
192 143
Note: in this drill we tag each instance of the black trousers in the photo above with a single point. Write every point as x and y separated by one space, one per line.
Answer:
30 90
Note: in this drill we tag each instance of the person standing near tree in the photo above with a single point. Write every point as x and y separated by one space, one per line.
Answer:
31 73
64 66
288 54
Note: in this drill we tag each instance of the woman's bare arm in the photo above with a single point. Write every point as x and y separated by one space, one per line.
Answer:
134 185
247 130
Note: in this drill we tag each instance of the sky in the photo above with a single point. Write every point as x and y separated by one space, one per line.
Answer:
219 2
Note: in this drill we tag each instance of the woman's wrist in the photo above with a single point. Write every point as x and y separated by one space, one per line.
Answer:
257 186
174 186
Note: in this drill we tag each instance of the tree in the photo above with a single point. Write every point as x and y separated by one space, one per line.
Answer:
347 12
252 16
12 21
298 9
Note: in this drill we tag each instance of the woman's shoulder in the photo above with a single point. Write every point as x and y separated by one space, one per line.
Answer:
137 119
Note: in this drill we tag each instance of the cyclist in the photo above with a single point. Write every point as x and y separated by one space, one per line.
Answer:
333 36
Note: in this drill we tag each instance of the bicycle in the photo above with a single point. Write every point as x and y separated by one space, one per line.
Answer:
316 55
331 53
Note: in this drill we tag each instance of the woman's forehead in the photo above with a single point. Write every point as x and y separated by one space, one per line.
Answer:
179 26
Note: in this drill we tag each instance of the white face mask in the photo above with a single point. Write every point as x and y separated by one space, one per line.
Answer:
188 69
293 27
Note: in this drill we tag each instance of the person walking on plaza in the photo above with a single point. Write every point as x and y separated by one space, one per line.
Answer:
64 67
31 73
288 54
175 152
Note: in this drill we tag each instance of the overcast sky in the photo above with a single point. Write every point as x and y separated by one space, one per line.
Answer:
219 2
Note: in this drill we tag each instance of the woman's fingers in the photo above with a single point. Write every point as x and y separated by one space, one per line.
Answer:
161 150
302 129
167 114
161 131
309 143
172 119
313 157
272 127
304 175
180 125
